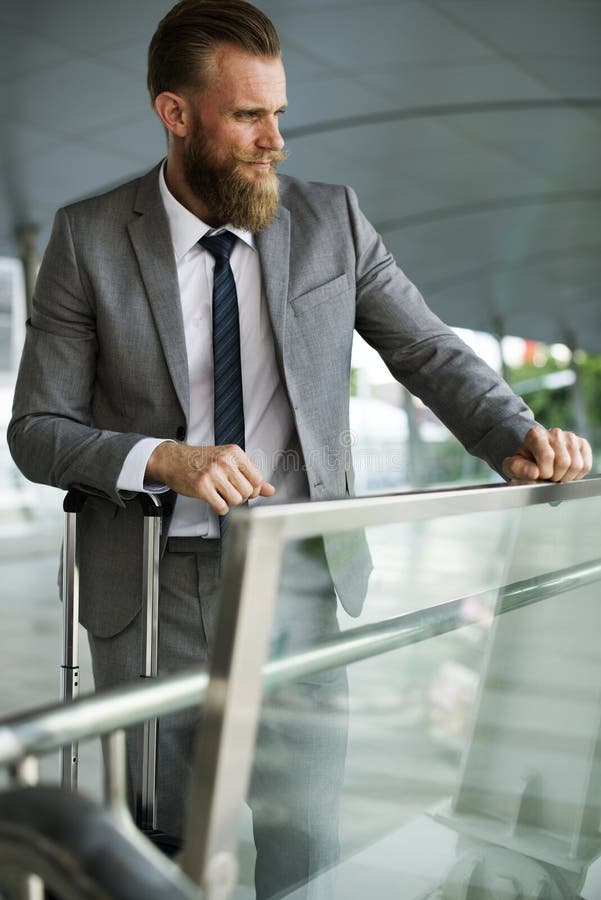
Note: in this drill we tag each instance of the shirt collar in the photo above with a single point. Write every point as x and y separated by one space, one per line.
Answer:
186 228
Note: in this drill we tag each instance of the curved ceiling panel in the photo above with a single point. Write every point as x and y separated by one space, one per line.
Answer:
471 130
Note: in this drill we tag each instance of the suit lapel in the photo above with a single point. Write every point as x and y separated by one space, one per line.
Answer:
151 240
273 245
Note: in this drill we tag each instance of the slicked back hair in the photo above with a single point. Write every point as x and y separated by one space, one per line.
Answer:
181 49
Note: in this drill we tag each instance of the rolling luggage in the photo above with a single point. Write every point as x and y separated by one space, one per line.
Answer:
145 801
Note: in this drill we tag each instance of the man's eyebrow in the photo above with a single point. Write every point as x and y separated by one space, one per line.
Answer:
258 109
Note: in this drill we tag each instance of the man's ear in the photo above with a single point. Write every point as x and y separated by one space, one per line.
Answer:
172 110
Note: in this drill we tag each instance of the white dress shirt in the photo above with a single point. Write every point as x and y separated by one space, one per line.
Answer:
269 425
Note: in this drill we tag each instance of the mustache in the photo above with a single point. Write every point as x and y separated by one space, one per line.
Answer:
276 156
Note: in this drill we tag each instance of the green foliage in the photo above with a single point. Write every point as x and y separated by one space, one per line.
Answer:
550 407
556 407
591 385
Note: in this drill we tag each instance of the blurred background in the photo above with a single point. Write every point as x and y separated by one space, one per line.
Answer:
470 129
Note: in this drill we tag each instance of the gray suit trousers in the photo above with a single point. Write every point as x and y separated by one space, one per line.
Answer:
299 760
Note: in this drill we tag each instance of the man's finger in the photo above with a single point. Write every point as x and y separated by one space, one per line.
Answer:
233 458
587 456
215 500
240 483
581 457
537 445
250 471
265 489
518 468
562 459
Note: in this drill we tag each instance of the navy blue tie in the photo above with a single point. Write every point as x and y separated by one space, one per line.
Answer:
229 409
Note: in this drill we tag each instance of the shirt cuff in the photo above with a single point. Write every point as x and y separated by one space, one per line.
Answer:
131 477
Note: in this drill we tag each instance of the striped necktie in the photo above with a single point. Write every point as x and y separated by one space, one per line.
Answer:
227 369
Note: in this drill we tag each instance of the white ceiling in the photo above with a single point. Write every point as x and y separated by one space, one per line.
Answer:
471 130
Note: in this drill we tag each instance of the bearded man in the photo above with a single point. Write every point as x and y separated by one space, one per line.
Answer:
196 322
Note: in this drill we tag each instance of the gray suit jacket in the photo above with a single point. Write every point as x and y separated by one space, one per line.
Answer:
105 362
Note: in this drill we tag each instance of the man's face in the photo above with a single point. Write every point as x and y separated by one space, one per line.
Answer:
231 153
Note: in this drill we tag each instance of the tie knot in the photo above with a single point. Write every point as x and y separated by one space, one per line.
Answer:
220 245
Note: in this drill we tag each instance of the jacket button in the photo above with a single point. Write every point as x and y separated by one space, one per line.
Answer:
180 433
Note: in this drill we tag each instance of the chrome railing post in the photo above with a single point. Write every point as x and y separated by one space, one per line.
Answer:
230 715
115 775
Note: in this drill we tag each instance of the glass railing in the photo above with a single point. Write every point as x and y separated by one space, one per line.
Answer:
436 733
452 750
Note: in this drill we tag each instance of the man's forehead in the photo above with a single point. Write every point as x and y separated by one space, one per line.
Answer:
236 72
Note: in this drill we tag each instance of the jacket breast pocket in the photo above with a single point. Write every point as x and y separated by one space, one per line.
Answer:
321 294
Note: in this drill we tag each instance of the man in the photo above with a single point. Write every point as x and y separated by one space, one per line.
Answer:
125 385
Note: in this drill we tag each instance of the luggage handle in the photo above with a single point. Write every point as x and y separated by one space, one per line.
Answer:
146 801
73 503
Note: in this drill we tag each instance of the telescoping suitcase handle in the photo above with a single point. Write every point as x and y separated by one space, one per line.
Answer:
151 506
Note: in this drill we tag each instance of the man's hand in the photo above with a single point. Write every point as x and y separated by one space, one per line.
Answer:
553 455
223 476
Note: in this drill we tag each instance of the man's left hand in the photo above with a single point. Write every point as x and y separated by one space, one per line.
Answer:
553 455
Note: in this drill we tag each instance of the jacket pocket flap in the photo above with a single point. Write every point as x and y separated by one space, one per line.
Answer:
320 294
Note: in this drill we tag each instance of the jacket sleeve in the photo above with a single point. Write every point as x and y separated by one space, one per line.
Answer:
425 355
56 436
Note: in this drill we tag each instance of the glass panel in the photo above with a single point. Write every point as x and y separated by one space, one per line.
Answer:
462 764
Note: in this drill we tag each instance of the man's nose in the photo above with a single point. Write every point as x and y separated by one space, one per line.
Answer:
270 137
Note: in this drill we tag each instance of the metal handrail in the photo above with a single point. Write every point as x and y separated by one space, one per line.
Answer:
48 728
412 628
299 520
45 730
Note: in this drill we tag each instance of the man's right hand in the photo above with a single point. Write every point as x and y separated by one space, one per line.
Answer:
223 476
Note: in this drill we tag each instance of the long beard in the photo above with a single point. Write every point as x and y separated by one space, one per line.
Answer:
230 197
